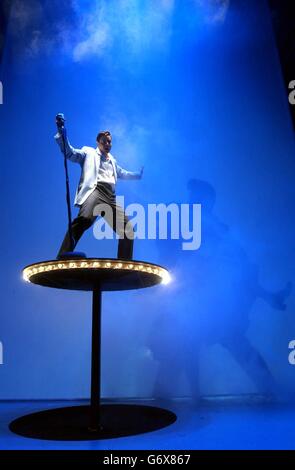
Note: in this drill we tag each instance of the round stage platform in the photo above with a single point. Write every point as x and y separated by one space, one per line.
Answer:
96 421
88 273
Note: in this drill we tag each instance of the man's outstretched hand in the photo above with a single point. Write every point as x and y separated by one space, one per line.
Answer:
141 172
60 121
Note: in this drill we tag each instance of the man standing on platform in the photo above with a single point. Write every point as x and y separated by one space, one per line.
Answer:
99 173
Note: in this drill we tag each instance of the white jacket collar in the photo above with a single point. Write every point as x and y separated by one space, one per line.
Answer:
100 153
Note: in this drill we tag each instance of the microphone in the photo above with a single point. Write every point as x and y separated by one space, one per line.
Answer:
60 121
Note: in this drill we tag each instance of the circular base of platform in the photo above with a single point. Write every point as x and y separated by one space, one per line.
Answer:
71 423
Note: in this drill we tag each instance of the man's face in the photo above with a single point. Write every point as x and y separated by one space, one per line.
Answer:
105 144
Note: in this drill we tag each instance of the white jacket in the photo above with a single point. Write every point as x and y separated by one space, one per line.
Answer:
89 159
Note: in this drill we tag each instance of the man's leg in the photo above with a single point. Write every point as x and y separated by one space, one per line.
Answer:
82 222
124 229
79 225
118 220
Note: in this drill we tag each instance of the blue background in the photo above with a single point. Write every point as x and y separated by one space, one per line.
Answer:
189 90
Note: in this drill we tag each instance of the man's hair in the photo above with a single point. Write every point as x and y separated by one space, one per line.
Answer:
103 134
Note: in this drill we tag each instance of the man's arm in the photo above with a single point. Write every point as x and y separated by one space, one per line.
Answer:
128 175
75 155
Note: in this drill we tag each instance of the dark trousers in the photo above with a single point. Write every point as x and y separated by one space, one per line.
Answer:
112 212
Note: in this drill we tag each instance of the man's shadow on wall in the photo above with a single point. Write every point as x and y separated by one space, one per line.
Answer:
215 290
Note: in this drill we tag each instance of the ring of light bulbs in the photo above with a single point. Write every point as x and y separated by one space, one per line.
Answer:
59 265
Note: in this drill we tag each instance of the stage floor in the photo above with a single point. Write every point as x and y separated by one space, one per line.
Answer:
210 425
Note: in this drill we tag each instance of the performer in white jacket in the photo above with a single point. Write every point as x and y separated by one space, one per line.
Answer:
99 174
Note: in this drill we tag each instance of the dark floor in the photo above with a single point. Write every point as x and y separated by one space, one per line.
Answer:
210 425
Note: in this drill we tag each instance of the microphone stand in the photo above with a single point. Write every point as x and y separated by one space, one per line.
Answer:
69 254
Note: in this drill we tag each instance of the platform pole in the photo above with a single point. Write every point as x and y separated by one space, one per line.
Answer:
95 421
